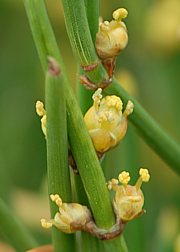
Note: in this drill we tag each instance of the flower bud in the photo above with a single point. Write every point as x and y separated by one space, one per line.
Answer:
105 121
70 218
128 200
112 36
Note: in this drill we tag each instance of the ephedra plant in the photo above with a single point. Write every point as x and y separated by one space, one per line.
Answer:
79 193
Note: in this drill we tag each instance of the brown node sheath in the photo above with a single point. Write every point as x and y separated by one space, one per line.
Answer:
93 86
104 234
53 66
90 68
109 65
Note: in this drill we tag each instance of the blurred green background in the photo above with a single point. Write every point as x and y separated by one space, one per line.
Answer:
149 69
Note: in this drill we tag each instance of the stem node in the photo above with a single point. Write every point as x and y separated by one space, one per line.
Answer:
53 66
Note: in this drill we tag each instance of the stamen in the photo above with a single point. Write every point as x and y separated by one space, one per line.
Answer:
113 184
42 113
106 23
97 96
114 101
40 108
129 108
120 14
144 177
46 224
56 198
144 173
124 178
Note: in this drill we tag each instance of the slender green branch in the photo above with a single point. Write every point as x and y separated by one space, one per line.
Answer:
88 165
42 33
117 244
14 230
92 12
57 155
74 15
88 242
80 142
85 98
57 184
151 132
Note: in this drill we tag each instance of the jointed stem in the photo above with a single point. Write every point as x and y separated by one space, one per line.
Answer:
80 142
57 154
85 98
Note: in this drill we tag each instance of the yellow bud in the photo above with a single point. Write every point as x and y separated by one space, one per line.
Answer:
70 218
105 121
70 214
128 200
112 36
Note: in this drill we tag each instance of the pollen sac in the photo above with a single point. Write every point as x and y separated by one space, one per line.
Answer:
112 36
42 113
128 200
70 218
106 122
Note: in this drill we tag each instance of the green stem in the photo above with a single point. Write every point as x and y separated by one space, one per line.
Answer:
89 243
88 165
80 142
14 230
42 32
85 96
117 244
57 155
92 13
151 132
80 37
